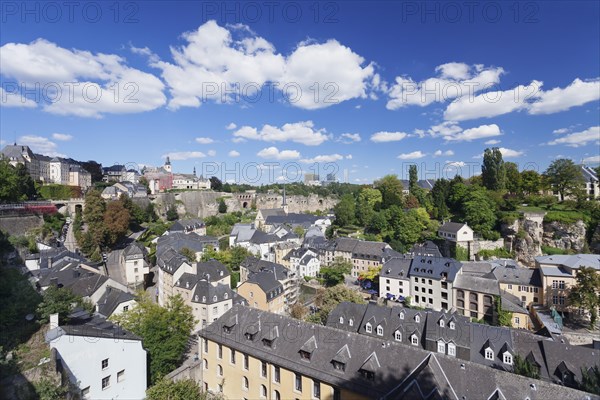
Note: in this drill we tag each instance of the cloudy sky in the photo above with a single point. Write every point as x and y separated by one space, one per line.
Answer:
237 89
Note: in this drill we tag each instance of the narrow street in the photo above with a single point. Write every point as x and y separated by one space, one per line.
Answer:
70 242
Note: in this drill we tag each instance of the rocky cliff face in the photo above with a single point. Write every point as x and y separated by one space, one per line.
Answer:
565 236
527 235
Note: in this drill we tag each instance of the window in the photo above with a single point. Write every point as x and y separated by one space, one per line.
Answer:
220 388
561 284
340 366
105 382
452 325
401 315
369 328
276 374
414 340
263 369
220 351
341 320
298 383
509 287
442 324
451 349
554 284
517 320
219 370
305 355
263 391
561 300
489 354
205 363
416 280
316 389
206 346
246 361
125 308
423 279
555 299
232 356
535 290
121 376
507 358
398 336
351 322
85 392
441 347
417 319
105 363
135 270
277 395
215 310
245 383
379 330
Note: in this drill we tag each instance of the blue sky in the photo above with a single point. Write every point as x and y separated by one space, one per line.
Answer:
373 86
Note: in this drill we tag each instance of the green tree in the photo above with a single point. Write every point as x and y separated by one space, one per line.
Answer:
222 206
493 171
586 292
413 178
334 274
48 390
185 389
144 181
531 182
188 253
116 222
564 176
369 201
590 380
345 211
172 214
15 182
513 178
372 274
94 168
328 299
391 190
439 197
238 254
480 212
504 318
522 366
61 301
164 331
95 206
216 184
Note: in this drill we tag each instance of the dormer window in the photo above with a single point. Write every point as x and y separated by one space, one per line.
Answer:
417 319
267 342
340 366
379 330
369 328
305 355
442 324
215 298
489 354
341 320
452 325
225 296
367 374
204 299
441 347
249 336
507 358
414 340
398 336
401 315
451 349
351 322
227 329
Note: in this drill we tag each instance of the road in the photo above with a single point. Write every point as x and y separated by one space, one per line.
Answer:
70 242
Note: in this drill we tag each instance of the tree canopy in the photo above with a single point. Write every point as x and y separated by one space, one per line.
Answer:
493 171
334 274
564 176
586 292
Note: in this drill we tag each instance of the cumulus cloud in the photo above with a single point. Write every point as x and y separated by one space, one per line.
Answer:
453 80
452 132
415 155
273 153
81 83
578 139
299 132
493 141
560 99
218 59
443 153
184 155
211 153
41 145
15 99
506 153
234 153
62 137
231 126
592 159
382 137
204 140
348 138
323 159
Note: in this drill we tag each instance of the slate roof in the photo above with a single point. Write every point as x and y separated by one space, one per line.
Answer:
58 254
428 248
260 237
575 261
212 270
16 152
305 220
111 299
434 267
477 283
269 212
179 240
81 323
81 282
398 371
495 337
452 227
254 265
187 224
170 261
242 232
135 249
517 275
206 293
267 283
396 268
512 303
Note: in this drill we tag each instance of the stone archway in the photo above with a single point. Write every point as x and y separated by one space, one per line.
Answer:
245 204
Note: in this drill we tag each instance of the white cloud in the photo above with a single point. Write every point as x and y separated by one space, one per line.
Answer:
84 84
230 56
274 154
231 126
592 159
493 141
560 99
348 138
415 155
234 153
41 145
204 140
578 139
560 131
184 155
381 137
14 99
62 137
323 159
454 80
456 164
349 157
452 132
299 132
211 153
509 153
443 153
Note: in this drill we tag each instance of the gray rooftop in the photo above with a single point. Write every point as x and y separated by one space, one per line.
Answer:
575 261
111 299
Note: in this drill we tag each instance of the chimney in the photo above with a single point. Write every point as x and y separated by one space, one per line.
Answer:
54 321
49 262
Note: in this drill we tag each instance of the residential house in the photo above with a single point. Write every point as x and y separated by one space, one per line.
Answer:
457 232
475 289
558 274
100 358
264 292
78 176
263 214
114 301
171 266
133 190
190 182
179 240
280 252
426 184
116 173
189 226
432 281
248 353
394 282
135 263
524 283
360 253
304 261
287 279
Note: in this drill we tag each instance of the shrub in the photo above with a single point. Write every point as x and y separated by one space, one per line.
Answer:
565 217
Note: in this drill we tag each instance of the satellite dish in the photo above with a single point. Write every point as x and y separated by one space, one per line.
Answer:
29 317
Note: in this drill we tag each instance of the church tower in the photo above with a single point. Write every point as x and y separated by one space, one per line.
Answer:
167 165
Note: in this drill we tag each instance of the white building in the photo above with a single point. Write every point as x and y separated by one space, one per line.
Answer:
394 283
305 262
431 281
103 360
133 260
457 232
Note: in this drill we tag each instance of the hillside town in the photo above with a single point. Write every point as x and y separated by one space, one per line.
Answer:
450 301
